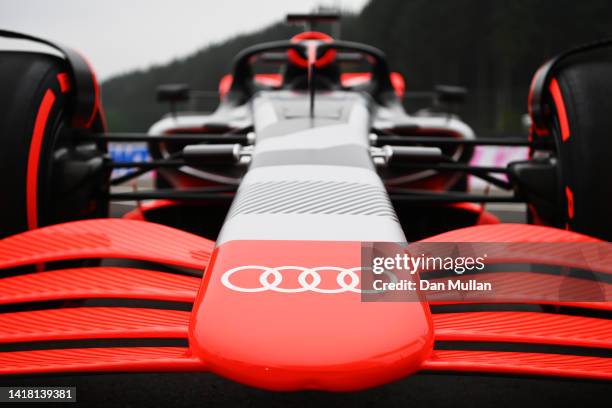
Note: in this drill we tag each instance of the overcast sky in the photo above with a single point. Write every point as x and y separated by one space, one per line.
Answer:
121 35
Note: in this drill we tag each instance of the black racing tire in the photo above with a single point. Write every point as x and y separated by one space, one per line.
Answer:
583 141
45 176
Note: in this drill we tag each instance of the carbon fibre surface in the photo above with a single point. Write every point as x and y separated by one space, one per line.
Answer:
99 359
520 363
103 282
92 323
523 327
106 238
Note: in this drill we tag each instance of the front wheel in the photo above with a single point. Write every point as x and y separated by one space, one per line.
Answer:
47 175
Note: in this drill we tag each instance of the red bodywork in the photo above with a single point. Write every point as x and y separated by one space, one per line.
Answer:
273 340
349 79
303 340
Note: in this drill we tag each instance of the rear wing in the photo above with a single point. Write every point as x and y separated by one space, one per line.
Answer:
313 21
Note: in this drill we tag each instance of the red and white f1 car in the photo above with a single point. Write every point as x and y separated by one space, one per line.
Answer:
259 216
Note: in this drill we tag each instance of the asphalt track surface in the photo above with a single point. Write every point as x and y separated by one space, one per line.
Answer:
420 390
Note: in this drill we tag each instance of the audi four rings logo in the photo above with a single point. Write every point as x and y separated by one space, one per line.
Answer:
309 279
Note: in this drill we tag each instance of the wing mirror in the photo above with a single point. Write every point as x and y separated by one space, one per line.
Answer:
173 94
450 95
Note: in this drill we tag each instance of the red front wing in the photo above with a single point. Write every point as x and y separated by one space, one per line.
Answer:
270 339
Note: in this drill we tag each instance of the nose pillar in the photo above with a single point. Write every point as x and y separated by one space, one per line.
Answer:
288 315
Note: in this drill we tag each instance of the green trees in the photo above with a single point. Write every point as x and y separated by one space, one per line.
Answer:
491 47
